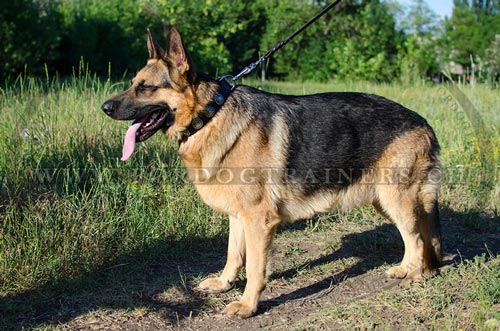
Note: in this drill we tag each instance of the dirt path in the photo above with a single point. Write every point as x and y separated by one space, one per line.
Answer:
282 313
326 265
314 269
275 313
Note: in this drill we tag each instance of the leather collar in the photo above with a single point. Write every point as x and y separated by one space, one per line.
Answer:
220 97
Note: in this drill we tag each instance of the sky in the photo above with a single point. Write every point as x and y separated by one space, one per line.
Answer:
441 7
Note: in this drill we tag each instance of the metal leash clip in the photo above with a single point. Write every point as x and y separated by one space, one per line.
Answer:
228 79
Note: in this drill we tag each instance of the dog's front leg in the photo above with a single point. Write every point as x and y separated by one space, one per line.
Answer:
259 234
235 259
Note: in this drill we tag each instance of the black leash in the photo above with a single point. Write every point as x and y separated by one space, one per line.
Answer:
227 82
282 43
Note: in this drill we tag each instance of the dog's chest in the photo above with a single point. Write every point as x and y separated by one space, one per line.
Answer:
222 198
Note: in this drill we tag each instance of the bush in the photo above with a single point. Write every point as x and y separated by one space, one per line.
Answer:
30 35
59 33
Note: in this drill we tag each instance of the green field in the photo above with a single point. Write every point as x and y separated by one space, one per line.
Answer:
71 212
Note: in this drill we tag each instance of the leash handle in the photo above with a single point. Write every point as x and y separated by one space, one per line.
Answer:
248 69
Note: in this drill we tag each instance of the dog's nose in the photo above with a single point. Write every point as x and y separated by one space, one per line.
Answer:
109 107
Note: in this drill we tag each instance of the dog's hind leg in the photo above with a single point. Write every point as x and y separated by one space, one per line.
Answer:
235 260
400 209
416 216
260 229
407 186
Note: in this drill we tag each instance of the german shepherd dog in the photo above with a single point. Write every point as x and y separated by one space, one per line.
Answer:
300 155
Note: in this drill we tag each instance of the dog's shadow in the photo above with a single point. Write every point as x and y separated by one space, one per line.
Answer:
138 280
373 248
383 245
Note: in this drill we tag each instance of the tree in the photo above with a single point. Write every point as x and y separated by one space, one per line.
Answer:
418 56
420 19
493 60
356 41
471 32
29 39
360 39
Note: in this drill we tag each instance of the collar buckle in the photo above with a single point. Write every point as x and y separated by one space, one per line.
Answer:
226 86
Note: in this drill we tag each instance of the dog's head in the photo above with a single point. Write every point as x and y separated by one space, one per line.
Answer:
161 94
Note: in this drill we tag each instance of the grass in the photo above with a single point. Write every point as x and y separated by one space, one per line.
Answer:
69 208
462 298
67 203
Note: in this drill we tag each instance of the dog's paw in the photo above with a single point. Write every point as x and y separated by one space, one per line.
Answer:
415 276
411 280
213 285
240 309
407 278
397 272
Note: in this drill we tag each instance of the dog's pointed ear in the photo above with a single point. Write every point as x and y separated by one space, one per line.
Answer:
177 53
155 51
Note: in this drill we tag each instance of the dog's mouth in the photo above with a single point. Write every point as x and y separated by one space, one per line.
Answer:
143 128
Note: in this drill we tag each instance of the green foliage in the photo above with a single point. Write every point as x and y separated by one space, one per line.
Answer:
221 35
420 20
471 32
29 33
103 31
417 56
115 31
376 40
61 33
357 41
493 59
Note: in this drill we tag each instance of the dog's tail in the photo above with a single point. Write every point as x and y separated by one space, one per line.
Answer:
432 230
430 227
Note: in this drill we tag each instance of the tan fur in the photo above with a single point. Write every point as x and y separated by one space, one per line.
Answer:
402 185
240 171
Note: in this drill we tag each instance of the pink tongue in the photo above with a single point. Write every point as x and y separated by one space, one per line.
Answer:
129 141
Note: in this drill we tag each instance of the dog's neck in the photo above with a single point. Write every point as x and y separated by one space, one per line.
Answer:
209 144
220 94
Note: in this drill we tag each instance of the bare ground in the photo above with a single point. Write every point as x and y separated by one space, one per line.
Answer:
318 264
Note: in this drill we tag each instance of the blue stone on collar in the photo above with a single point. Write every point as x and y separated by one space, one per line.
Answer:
210 111
197 123
219 99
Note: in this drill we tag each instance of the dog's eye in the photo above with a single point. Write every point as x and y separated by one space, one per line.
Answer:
143 87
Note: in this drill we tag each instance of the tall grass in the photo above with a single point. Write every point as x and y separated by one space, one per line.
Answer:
68 205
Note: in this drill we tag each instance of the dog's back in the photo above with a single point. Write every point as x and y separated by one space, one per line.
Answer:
264 159
335 131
